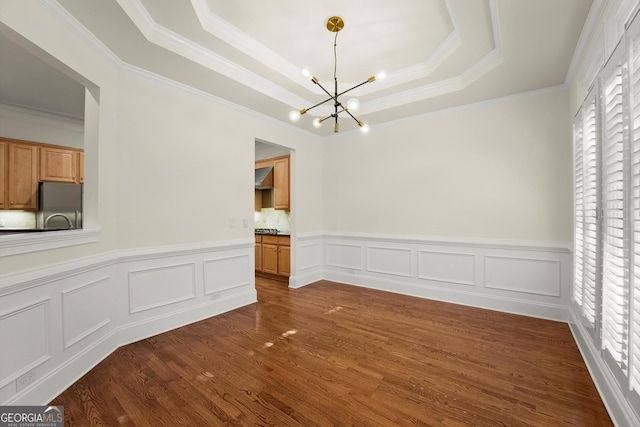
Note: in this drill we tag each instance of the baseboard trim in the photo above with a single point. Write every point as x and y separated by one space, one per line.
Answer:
619 409
472 299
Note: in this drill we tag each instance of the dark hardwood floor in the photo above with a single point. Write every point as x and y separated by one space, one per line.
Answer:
336 355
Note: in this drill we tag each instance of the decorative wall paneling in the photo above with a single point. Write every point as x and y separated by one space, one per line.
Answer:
306 259
56 323
526 278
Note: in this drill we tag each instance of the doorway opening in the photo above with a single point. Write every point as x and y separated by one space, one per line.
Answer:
273 211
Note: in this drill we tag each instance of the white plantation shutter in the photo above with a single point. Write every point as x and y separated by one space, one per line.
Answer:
634 95
578 244
615 260
591 228
586 274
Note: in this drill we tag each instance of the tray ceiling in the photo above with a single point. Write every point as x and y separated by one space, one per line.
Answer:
436 54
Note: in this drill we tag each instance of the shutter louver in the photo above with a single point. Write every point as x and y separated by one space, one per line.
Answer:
578 258
591 234
615 262
634 83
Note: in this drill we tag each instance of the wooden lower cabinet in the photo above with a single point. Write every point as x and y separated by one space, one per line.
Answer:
258 253
284 261
275 255
269 258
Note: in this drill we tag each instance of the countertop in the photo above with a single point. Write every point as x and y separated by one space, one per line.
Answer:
283 234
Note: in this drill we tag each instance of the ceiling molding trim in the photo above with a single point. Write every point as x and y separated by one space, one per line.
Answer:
473 73
588 30
231 35
223 30
30 115
206 96
421 70
60 13
179 45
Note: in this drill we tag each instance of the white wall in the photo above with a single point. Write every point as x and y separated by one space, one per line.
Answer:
499 170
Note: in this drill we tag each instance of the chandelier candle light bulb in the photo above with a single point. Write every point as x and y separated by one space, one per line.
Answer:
334 25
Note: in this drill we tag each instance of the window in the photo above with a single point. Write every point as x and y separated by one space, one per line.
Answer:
606 288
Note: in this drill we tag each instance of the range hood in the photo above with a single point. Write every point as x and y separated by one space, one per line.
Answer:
264 178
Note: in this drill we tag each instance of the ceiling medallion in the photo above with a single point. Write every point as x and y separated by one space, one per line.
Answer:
335 24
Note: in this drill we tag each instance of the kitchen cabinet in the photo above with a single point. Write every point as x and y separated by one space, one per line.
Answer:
279 196
81 167
258 253
269 258
59 165
281 184
284 260
275 255
24 163
3 172
22 176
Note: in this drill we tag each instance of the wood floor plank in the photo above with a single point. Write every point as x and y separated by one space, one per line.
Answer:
332 354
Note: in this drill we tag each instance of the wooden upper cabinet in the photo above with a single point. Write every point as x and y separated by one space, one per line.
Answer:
22 176
3 170
24 163
281 183
81 167
280 195
59 165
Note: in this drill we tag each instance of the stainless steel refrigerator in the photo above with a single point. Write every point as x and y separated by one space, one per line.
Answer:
59 206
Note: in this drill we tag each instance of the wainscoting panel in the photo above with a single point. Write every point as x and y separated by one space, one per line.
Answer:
25 339
159 286
392 261
57 322
528 278
309 256
448 267
344 255
306 259
226 273
85 309
529 275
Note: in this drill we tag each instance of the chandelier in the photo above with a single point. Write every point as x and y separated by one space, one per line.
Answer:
334 25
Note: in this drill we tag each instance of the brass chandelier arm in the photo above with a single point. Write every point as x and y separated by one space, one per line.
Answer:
369 80
335 98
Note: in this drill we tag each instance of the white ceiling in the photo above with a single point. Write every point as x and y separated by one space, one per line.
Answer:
436 54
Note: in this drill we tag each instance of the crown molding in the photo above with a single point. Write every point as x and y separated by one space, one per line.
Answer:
26 115
595 15
445 86
216 26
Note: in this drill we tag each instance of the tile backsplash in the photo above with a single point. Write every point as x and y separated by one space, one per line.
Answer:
272 218
17 219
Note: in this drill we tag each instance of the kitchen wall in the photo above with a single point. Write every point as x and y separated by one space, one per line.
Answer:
273 218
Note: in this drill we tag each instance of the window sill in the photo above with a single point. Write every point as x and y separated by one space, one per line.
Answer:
15 244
